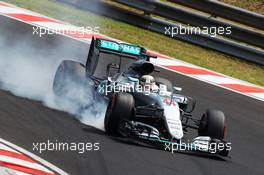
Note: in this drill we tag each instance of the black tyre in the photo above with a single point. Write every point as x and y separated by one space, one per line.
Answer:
67 74
121 106
58 83
213 124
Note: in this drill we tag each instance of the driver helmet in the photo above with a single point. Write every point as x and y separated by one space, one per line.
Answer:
148 81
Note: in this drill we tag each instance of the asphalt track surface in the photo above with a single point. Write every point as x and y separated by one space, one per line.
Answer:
24 121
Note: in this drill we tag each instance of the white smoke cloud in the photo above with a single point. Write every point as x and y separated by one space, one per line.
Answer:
28 71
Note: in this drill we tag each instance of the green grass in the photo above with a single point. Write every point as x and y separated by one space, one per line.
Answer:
171 47
251 5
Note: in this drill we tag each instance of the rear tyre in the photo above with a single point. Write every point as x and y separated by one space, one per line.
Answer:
121 106
213 124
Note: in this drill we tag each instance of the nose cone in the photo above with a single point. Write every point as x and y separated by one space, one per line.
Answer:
173 120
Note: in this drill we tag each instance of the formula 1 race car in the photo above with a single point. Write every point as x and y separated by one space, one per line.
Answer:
141 107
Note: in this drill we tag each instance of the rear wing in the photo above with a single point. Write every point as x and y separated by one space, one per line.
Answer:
106 53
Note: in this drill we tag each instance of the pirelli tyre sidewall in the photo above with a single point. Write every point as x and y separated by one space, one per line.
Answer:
213 124
120 106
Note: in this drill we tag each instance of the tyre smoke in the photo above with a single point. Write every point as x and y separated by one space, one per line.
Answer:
28 65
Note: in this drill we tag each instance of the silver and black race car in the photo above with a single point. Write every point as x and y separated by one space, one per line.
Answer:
141 107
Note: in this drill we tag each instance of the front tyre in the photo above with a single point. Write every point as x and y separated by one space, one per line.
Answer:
68 74
121 106
213 124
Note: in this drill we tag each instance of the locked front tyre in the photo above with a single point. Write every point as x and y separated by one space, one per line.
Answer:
68 75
